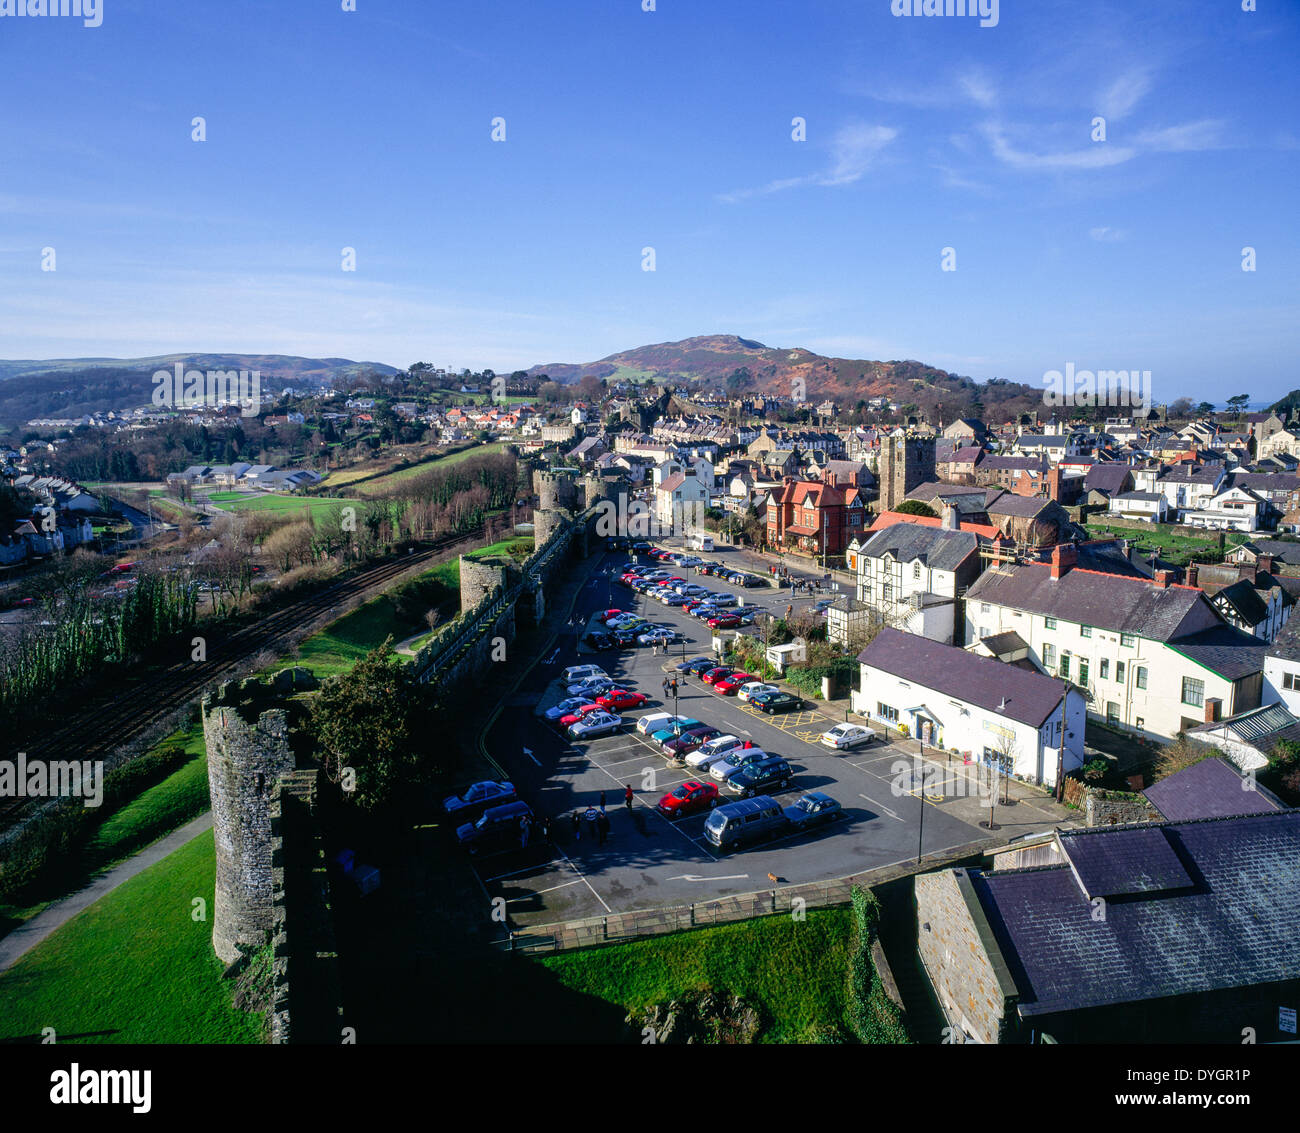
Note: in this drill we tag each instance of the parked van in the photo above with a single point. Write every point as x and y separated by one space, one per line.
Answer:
497 829
699 542
575 673
741 824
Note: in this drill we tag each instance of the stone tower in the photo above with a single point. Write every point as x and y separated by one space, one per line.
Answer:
247 741
906 460
556 491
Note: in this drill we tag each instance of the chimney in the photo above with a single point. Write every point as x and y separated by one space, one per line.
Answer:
948 520
1264 564
1193 575
1064 556
1213 708
1163 578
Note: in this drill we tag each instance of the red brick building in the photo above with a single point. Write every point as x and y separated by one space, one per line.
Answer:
814 517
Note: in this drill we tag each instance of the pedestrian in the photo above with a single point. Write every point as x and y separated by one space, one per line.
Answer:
602 824
577 827
627 798
546 828
591 820
665 688
602 800
524 825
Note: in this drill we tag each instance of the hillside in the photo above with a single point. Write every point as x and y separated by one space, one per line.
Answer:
740 365
70 387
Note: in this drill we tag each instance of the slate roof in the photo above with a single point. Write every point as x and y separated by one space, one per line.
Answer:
1232 653
1212 788
1235 926
938 548
1108 478
1006 690
932 489
1287 643
1107 601
1018 507
1280 550
1244 598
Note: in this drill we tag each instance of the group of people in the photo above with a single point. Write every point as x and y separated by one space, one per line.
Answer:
800 585
596 819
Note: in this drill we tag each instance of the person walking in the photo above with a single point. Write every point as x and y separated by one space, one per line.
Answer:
602 801
591 821
665 688
524 828
602 824
627 798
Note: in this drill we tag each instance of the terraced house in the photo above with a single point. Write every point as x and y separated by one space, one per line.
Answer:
1151 656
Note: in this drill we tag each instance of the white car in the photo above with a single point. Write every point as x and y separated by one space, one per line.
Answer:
733 761
754 688
653 722
575 674
595 724
844 737
707 754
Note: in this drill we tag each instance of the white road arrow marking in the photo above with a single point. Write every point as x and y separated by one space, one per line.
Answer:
697 877
881 806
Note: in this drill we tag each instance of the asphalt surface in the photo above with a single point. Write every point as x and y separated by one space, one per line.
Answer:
648 860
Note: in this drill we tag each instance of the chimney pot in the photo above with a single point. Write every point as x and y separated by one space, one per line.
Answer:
1163 578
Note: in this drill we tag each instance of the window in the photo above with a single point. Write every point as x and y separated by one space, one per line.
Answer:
984 607
1065 665
1049 623
1140 676
1119 671
887 591
1112 712
1128 640
1049 656
1085 631
1288 680
1083 671
886 712
1193 692
916 569
1105 669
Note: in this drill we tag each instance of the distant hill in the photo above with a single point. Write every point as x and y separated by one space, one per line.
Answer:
70 387
740 365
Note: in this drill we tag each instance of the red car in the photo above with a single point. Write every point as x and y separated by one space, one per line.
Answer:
712 676
724 621
620 700
605 615
573 717
688 798
728 685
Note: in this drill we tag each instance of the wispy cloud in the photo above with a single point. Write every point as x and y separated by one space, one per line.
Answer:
1107 235
1094 157
1118 100
854 150
1187 138
978 87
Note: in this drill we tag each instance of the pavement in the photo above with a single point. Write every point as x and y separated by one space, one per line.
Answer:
29 934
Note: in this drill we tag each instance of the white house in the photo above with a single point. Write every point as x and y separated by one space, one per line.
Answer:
1001 715
1152 657
679 503
1233 509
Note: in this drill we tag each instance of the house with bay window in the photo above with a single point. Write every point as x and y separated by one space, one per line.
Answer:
1150 656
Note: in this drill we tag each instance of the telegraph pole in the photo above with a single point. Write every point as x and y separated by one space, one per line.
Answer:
1060 751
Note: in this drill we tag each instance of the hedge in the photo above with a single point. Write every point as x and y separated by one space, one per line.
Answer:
872 1015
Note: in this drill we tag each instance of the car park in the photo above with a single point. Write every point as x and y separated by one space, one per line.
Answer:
714 752
688 798
478 797
774 703
595 724
687 742
738 824
497 828
734 760
816 808
846 737
566 707
760 775
673 729
621 700
732 682
754 688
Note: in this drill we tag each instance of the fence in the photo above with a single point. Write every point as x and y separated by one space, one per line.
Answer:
620 928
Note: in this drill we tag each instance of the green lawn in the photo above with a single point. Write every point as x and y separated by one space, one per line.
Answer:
1178 549
135 967
517 546
285 504
795 972
381 484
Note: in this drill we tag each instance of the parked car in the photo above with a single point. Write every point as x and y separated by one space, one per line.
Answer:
732 682
774 703
846 737
605 616
714 752
734 825
813 809
477 797
594 724
712 676
591 688
760 775
721 600
673 729
566 708
754 688
688 798
566 722
576 673
601 641
653 722
724 621
687 742
734 760
688 666
621 700
497 828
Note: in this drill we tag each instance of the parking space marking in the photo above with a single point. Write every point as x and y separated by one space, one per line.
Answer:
539 892
526 869
583 877
881 806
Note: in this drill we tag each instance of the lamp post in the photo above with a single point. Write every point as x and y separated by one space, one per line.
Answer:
920 833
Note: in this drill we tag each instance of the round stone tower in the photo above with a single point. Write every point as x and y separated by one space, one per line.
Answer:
556 491
247 741
478 580
545 524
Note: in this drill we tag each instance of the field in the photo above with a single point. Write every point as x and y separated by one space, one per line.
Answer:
795 973
135 967
287 505
1177 549
382 484
517 547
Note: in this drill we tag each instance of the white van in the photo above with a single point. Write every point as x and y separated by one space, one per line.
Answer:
699 542
575 673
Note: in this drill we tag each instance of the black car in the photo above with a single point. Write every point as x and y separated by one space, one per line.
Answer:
477 797
776 702
696 668
759 777
641 546
498 828
599 640
626 638
685 666
813 809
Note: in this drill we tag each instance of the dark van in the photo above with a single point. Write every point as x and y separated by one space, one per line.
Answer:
743 823
497 829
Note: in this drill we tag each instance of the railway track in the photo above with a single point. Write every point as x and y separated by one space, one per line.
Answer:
100 728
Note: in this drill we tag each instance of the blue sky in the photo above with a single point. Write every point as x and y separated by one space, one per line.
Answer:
669 129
